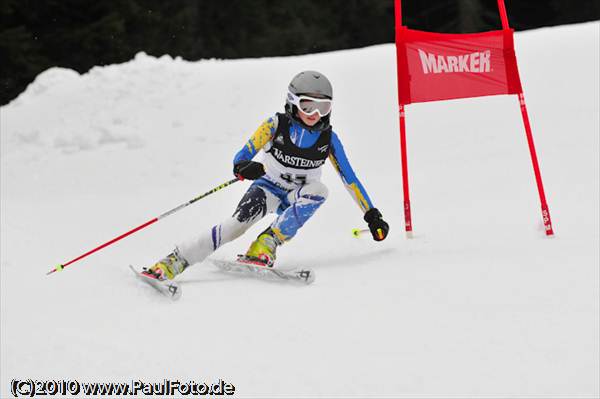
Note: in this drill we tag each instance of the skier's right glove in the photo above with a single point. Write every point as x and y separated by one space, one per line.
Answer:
248 170
379 228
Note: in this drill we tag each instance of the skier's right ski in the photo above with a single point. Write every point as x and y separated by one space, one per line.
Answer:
168 288
260 270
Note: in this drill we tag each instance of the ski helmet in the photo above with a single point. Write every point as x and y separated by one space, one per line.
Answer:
309 83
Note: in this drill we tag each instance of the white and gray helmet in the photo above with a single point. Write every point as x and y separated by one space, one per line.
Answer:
311 82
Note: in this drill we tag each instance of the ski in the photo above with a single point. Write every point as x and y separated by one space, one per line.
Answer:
168 288
258 269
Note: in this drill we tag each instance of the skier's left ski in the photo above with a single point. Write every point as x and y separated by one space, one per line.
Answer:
260 270
168 288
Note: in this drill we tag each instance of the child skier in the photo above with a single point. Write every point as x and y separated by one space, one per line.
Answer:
296 145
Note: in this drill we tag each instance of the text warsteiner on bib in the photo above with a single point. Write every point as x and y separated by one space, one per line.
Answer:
292 156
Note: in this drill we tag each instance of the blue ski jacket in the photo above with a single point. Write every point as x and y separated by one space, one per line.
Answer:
304 138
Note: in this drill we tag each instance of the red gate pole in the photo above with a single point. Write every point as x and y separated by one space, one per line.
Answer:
503 15
401 105
532 152
407 215
536 168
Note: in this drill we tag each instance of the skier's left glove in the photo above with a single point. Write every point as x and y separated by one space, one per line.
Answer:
379 228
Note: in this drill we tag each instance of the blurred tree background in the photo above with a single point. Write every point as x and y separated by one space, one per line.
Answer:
79 34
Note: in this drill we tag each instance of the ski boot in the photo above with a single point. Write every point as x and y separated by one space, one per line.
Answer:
264 247
168 267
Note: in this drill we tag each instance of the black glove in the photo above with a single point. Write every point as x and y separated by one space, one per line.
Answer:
248 170
379 228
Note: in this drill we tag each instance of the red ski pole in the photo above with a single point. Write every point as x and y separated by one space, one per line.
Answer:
61 266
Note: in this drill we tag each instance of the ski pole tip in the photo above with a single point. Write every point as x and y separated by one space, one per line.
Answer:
58 268
356 232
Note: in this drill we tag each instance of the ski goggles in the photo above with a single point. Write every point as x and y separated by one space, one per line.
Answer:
310 105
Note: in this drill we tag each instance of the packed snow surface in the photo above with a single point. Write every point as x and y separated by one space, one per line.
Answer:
479 303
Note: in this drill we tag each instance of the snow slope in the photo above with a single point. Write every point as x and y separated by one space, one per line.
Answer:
480 303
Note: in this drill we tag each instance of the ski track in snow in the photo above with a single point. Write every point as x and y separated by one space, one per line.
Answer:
478 304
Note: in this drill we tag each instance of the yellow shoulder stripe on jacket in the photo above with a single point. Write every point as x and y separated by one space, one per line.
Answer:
261 136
